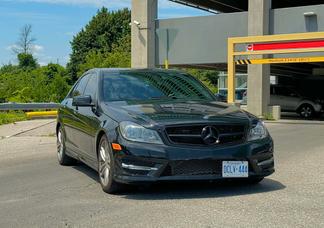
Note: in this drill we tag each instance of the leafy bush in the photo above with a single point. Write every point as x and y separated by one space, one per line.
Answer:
11 117
43 84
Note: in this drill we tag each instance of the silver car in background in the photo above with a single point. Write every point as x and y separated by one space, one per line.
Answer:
291 101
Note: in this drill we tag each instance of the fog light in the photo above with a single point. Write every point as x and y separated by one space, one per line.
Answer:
136 167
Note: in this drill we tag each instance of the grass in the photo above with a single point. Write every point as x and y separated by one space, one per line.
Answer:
268 116
11 117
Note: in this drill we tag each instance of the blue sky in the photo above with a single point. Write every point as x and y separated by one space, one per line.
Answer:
56 21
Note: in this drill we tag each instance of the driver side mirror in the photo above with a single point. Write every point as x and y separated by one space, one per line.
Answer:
82 101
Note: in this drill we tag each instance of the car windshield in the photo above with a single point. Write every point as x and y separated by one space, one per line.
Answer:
132 86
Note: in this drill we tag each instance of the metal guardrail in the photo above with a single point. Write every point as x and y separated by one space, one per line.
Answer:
28 106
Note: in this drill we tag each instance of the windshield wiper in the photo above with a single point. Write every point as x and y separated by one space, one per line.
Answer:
171 96
159 98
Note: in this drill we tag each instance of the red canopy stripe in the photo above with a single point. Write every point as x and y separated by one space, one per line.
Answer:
286 45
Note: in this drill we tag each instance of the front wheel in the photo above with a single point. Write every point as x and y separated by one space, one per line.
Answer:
106 167
306 111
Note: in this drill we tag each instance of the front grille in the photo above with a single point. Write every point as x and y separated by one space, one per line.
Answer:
192 134
194 167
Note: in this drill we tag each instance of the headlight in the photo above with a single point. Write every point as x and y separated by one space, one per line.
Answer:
258 131
137 133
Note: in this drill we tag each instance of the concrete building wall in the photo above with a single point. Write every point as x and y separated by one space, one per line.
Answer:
206 37
199 39
292 20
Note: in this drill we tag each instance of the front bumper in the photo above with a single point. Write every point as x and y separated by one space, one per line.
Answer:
138 163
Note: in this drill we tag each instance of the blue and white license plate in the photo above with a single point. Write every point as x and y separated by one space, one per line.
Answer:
235 169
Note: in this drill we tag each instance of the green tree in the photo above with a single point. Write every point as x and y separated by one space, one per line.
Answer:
53 69
43 84
27 61
208 77
101 35
120 56
28 82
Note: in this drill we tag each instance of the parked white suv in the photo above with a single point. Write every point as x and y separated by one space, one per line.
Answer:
291 101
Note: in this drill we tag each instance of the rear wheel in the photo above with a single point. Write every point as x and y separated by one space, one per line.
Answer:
106 167
62 157
306 111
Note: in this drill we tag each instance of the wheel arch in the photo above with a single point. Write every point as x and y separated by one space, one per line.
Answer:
100 133
305 103
58 125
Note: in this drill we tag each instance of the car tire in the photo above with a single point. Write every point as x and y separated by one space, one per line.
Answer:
106 167
306 111
62 157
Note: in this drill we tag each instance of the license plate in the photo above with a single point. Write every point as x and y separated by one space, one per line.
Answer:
235 169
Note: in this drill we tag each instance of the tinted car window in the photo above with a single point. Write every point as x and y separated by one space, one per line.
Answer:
281 91
292 93
91 88
284 91
79 89
153 85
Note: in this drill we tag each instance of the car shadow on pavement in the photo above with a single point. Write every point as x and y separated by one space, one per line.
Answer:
87 171
189 190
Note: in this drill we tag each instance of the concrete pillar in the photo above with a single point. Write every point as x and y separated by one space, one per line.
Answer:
259 75
143 34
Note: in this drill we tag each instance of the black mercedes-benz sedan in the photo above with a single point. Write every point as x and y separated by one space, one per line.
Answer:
144 126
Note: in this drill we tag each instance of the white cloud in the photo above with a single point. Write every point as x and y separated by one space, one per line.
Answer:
11 47
37 48
163 4
96 3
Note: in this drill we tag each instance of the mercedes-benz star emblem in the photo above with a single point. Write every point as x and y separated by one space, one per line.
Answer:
210 135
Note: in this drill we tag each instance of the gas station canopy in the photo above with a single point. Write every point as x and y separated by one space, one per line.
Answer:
228 6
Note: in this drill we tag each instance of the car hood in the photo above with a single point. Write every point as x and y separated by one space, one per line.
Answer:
164 113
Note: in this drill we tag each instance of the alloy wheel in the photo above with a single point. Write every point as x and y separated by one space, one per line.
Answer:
60 145
104 163
306 111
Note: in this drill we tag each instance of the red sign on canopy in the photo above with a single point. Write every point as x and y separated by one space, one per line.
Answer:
285 45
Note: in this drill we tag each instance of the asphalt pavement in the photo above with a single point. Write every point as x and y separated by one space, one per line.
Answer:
36 192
